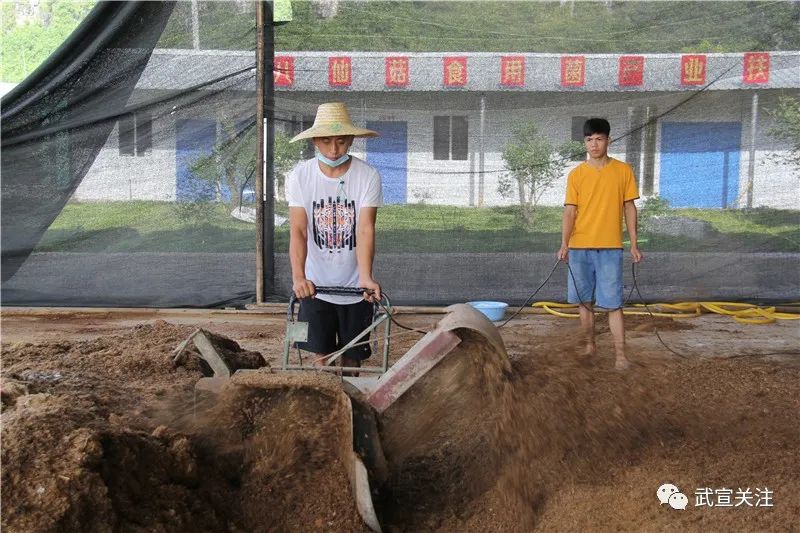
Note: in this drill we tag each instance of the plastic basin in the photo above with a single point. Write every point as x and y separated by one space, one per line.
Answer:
494 311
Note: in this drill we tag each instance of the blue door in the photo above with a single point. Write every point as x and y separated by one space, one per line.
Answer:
193 139
700 163
388 153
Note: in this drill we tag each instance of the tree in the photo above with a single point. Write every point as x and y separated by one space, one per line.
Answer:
787 128
533 164
27 45
231 165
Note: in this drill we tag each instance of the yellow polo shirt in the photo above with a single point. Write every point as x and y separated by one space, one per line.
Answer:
599 195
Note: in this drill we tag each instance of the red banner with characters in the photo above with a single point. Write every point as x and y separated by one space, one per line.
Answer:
455 71
283 71
397 73
573 71
756 67
512 71
631 71
340 71
693 70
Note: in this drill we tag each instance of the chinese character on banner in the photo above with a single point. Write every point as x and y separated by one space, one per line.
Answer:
631 71
693 70
756 67
283 71
340 71
397 71
512 71
573 71
704 497
455 71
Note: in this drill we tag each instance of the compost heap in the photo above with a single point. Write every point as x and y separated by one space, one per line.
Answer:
104 435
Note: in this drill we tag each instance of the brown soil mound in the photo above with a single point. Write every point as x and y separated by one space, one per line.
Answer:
230 352
68 467
105 436
437 437
576 446
282 438
140 358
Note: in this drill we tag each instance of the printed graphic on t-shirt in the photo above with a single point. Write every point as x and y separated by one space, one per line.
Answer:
334 224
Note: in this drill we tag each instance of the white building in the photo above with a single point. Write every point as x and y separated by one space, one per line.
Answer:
695 127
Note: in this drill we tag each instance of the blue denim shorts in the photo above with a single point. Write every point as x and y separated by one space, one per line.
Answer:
598 275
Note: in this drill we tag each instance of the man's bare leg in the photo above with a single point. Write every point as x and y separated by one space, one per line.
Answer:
587 327
617 325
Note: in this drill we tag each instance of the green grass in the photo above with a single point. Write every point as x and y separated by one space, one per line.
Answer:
764 221
146 227
753 230
171 227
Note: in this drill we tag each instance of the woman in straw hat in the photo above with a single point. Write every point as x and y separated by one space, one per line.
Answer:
333 201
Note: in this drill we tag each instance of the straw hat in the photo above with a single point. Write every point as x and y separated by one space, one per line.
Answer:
333 120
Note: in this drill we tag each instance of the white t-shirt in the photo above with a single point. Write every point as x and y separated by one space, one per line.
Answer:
333 209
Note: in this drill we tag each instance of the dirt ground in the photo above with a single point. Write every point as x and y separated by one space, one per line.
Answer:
101 431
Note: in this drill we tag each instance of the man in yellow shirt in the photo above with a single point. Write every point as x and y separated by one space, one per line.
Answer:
599 192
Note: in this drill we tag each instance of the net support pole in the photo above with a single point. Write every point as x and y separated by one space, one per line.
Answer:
265 138
481 154
751 165
649 150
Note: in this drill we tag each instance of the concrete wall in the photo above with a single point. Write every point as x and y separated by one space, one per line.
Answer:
130 177
776 183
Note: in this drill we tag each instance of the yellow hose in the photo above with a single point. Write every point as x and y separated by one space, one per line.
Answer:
741 312
551 307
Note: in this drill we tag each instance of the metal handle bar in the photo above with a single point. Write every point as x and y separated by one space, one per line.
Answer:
342 291
339 291
381 314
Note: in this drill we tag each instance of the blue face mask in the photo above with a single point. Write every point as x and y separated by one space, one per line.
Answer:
330 162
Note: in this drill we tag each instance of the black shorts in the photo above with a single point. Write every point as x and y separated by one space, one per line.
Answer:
331 326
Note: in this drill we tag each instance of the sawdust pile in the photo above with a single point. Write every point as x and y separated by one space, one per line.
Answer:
562 442
140 358
438 436
69 466
281 439
104 435
235 358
